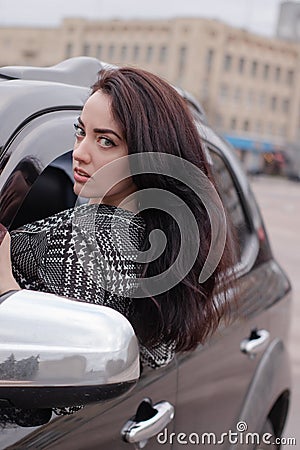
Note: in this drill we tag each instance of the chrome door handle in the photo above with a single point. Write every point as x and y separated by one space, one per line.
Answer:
256 343
140 431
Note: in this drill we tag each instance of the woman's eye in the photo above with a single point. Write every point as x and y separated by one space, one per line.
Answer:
79 132
105 142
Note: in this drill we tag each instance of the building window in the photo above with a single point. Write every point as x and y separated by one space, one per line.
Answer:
241 66
283 130
204 90
111 52
270 129
246 125
99 51
209 60
149 53
29 54
262 99
227 62
69 50
136 53
266 71
290 77
254 68
286 105
251 98
86 49
223 91
258 127
163 54
273 103
233 123
237 94
123 52
277 74
182 61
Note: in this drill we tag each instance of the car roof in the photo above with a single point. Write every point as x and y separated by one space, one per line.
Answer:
22 99
27 90
78 71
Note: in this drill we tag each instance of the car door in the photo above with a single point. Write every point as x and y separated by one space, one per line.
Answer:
214 380
99 425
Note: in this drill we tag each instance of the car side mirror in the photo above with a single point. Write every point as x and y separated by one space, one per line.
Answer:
57 352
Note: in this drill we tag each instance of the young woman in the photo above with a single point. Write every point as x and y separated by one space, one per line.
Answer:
135 136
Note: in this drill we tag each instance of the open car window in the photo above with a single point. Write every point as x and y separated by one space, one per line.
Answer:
36 180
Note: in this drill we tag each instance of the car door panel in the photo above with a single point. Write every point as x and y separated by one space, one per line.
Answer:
99 425
213 382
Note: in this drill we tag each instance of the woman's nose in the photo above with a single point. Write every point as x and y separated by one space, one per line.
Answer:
81 151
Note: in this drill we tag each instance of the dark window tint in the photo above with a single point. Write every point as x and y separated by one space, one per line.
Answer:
50 193
231 200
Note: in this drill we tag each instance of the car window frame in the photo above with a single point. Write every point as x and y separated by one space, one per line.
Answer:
26 143
251 249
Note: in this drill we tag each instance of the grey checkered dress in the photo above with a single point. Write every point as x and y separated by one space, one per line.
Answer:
85 253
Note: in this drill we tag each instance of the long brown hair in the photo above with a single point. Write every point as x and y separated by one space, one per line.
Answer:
154 118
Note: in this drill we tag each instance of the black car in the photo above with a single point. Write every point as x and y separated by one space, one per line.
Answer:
233 392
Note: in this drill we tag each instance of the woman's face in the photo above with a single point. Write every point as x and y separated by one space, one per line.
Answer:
99 141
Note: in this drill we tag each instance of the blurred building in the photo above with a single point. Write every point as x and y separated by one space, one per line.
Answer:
288 26
248 84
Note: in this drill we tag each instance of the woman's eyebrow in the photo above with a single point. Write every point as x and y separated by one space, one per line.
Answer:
106 130
80 121
100 130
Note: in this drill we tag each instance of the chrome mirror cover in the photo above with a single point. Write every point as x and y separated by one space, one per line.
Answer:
48 341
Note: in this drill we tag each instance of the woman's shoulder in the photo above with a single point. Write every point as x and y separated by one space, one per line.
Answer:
47 223
107 217
101 215
108 225
114 215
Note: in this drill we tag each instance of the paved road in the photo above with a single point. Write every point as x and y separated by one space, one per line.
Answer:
279 201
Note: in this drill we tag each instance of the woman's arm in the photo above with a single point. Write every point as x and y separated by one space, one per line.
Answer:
7 281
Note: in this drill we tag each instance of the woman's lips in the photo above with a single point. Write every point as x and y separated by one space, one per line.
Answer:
80 176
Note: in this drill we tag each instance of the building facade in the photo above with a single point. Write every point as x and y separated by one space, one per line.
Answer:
247 84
